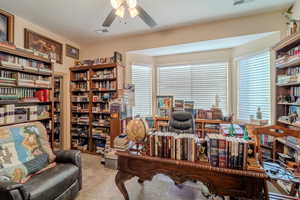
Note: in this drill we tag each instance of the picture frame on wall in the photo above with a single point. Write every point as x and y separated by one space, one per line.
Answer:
38 42
72 52
6 27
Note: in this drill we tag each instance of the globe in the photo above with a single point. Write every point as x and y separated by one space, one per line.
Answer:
137 130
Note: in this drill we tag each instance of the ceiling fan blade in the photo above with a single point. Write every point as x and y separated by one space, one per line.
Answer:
109 19
146 17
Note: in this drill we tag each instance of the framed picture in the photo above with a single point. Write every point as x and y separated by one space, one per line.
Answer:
43 44
117 58
72 52
6 27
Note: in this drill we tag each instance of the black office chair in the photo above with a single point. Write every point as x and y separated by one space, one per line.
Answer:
181 122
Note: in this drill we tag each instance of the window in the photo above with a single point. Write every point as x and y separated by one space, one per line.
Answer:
142 79
254 86
199 83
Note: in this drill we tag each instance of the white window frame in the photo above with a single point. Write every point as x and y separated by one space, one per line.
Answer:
229 77
152 86
272 84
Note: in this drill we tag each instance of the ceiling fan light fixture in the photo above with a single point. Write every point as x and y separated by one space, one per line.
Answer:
116 3
121 12
131 3
133 12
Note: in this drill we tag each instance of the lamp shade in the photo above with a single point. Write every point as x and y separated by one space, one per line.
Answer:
131 3
133 12
121 12
116 3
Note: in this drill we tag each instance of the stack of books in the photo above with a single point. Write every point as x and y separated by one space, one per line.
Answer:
227 152
172 146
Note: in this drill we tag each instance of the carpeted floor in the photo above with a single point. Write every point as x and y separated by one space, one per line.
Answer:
98 184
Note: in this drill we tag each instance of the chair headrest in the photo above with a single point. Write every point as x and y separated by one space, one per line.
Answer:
181 116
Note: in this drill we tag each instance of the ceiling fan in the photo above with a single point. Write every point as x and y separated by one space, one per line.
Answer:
121 7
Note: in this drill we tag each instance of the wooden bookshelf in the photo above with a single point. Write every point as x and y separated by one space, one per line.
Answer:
98 85
288 65
17 64
58 112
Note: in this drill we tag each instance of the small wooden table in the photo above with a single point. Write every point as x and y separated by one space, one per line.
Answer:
220 181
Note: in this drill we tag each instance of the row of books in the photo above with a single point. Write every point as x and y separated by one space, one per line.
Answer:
283 79
24 93
80 108
80 85
16 62
83 119
100 108
106 85
293 71
80 99
7 78
227 152
4 74
105 74
295 91
11 114
81 75
173 146
101 122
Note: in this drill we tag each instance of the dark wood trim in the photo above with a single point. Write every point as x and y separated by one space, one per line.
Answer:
10 25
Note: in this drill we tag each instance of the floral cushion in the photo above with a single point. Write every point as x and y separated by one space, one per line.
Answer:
24 150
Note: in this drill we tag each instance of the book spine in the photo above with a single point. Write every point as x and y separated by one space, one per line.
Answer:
245 156
156 145
240 155
214 151
222 153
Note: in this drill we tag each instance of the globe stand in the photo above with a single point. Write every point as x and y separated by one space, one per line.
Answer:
137 148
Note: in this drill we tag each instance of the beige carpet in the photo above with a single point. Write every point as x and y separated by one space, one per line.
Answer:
98 184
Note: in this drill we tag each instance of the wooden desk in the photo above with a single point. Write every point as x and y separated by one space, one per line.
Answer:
221 181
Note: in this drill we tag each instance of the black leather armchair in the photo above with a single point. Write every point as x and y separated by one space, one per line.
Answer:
181 122
62 182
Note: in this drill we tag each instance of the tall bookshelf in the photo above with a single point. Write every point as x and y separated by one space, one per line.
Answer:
288 80
26 83
58 112
92 89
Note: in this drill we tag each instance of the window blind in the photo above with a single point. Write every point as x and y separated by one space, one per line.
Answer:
199 83
254 86
142 79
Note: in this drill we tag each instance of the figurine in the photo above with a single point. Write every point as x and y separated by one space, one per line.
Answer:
231 130
258 114
246 134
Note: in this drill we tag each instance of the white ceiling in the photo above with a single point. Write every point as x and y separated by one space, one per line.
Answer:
208 45
78 19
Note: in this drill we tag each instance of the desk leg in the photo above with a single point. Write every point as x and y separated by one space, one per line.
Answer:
120 178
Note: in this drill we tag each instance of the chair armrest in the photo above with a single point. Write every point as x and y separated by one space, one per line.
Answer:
8 185
12 190
70 156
